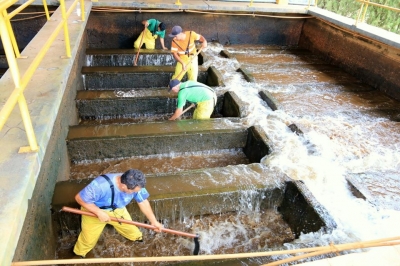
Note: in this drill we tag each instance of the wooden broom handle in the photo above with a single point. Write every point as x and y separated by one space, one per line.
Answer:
148 226
190 61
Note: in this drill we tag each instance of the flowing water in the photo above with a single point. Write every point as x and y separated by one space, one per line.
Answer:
348 130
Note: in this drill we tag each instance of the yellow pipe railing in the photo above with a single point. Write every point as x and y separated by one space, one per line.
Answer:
12 52
365 4
363 9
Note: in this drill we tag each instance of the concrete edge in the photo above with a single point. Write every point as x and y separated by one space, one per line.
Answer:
43 98
375 33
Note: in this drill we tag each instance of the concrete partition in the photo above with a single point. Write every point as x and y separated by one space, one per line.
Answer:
213 191
28 179
126 140
374 60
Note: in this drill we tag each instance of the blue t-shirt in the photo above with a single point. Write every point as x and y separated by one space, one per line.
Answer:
99 193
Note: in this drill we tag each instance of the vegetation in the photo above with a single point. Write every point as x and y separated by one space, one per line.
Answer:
375 16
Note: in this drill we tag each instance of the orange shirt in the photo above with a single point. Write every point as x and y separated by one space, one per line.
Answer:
181 46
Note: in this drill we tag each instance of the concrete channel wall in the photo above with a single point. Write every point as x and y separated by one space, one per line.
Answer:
28 179
372 61
212 191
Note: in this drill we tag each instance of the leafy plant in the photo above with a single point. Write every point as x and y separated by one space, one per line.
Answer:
375 16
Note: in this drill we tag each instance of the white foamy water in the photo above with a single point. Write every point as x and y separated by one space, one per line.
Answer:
337 141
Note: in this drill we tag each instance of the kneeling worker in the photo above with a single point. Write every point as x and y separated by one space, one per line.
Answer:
106 196
195 92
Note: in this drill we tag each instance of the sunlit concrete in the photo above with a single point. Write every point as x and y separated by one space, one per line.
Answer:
19 172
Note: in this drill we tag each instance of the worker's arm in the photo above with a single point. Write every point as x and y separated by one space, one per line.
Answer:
146 209
103 216
203 41
145 23
162 44
177 114
178 58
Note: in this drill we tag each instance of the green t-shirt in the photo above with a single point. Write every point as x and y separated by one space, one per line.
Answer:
194 92
153 27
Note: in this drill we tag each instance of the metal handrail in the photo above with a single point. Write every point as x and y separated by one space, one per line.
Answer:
12 52
363 9
365 4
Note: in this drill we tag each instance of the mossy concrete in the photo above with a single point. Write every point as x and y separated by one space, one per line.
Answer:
126 140
127 57
373 62
213 191
127 78
106 104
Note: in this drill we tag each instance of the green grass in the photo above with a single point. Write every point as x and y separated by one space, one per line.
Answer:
375 16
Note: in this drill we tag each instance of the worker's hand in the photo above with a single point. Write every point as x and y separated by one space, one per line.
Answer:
158 225
165 48
204 45
103 217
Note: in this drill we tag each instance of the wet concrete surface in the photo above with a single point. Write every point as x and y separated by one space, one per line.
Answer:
331 92
127 57
113 141
241 232
164 163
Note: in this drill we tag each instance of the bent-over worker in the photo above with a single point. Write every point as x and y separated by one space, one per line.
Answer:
195 92
106 196
153 29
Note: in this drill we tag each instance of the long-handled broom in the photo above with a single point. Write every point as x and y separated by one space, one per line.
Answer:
179 233
140 46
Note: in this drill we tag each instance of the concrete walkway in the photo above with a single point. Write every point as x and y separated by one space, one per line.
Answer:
44 93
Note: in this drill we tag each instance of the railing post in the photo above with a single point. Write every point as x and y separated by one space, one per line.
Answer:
66 33
82 10
365 10
9 105
11 34
30 133
9 51
46 10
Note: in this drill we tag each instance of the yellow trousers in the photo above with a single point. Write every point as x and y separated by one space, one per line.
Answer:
204 109
92 228
192 70
148 40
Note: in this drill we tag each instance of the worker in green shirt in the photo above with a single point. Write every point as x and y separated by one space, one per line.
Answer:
195 92
153 30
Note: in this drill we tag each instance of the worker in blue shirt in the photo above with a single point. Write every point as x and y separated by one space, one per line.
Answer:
106 196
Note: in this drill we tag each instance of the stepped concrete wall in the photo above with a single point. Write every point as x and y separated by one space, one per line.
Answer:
373 61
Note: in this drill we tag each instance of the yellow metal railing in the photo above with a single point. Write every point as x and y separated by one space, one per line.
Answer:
365 4
12 53
363 9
